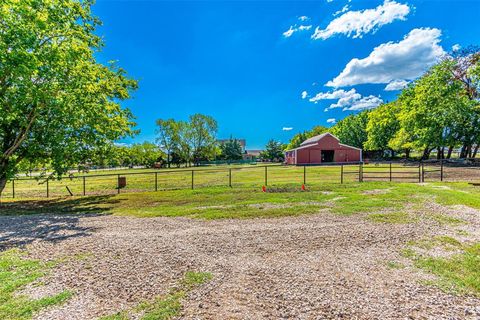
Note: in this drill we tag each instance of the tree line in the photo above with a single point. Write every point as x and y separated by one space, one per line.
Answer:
438 111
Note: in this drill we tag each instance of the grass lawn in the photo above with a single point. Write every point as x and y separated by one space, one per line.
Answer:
105 182
249 202
16 272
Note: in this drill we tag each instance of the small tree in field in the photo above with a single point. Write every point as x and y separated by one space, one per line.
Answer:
231 150
56 102
273 151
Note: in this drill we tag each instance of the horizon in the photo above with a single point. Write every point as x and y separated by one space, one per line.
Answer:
268 70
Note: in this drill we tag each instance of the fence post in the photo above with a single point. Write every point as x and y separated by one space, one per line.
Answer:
48 191
84 191
341 173
156 181
266 176
13 188
304 174
441 170
419 172
360 172
118 183
423 172
192 179
230 177
390 172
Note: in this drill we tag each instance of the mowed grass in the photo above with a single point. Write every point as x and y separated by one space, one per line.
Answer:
459 272
16 272
167 306
251 202
141 180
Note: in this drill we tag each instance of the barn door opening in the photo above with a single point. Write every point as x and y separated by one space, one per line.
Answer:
328 155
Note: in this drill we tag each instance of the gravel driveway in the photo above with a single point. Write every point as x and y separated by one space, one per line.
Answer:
321 266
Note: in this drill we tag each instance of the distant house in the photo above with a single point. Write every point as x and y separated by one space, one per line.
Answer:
324 148
252 155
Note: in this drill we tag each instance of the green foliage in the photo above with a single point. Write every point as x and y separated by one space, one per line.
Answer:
15 273
391 217
57 103
273 151
231 150
352 130
187 142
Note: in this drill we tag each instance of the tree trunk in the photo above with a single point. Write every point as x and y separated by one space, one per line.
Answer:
407 153
168 159
450 150
475 151
426 153
3 175
469 151
462 152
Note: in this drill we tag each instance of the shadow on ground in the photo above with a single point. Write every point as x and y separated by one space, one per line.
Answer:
23 222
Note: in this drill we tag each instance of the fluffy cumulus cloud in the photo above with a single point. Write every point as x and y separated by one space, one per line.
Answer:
331 120
391 61
287 128
357 23
304 94
396 85
347 100
303 18
456 47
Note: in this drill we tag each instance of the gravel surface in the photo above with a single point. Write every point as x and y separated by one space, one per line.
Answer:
321 266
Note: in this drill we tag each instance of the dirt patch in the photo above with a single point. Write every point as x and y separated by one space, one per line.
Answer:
318 266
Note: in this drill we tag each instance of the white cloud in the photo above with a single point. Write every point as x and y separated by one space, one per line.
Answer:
456 47
303 18
331 120
406 59
396 85
347 100
337 94
294 29
289 32
304 94
369 102
358 23
287 128
344 9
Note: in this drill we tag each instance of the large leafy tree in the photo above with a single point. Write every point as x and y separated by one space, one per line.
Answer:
56 101
352 130
381 127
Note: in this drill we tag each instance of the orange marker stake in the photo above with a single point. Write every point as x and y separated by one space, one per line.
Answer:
303 187
264 189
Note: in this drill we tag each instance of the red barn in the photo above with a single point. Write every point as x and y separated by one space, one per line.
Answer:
322 149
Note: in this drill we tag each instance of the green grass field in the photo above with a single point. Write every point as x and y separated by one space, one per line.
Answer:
141 180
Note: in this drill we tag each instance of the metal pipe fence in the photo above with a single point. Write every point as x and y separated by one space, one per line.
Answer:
254 176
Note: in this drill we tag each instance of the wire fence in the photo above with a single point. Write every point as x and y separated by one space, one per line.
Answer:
255 176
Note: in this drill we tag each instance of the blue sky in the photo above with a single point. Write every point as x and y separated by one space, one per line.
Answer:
238 62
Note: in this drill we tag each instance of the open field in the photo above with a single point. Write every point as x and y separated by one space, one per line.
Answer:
358 250
140 180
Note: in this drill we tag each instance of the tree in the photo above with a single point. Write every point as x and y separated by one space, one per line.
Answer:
381 127
352 130
56 102
273 151
145 154
201 134
168 136
231 150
